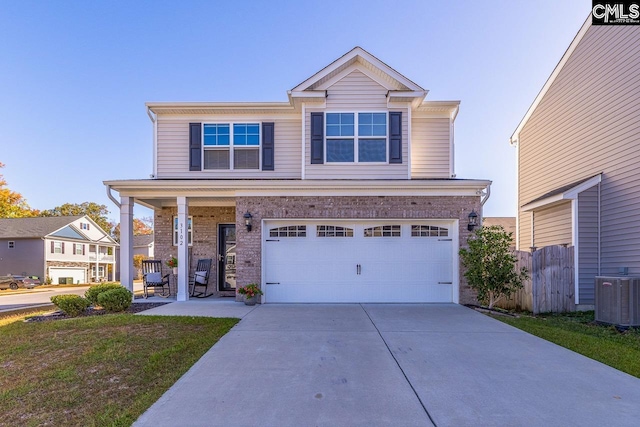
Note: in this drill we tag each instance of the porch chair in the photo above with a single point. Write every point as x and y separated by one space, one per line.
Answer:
152 277
201 278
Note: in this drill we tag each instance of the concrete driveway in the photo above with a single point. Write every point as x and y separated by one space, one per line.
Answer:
391 365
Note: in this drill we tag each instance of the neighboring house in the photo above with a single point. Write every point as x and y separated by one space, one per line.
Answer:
61 248
506 222
344 193
578 156
143 245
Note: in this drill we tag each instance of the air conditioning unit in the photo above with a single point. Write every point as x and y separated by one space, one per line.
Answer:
618 300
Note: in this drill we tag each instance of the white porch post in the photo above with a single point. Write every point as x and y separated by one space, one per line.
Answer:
126 243
183 250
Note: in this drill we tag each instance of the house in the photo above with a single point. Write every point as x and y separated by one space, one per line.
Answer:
64 249
508 223
143 245
578 155
344 193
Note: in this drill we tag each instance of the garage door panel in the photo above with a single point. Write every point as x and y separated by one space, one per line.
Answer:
320 268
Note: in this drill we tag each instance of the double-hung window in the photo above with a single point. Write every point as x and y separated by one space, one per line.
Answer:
356 137
231 146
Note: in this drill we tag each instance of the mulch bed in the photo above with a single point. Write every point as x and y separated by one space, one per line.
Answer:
91 311
487 310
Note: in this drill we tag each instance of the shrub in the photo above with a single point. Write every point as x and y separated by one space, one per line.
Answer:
92 293
114 300
72 305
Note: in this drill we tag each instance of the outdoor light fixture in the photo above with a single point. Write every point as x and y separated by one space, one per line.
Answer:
473 220
247 220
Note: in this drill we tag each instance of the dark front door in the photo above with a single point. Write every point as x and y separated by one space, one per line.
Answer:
226 257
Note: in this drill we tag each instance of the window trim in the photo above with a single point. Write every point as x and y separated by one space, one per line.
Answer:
232 147
57 245
356 137
11 244
174 230
79 249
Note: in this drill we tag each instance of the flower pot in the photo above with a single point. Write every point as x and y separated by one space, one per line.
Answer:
251 301
175 271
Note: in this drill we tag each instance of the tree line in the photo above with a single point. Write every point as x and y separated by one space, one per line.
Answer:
14 205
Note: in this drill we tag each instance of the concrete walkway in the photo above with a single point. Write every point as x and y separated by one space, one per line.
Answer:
390 365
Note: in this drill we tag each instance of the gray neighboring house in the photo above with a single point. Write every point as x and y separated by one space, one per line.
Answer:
143 245
578 156
63 248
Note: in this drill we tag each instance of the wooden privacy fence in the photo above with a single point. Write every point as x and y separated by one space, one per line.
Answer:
550 287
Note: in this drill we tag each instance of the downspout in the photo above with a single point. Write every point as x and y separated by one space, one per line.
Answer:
110 196
483 201
155 141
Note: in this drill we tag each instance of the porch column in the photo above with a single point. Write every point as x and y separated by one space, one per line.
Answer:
126 243
183 250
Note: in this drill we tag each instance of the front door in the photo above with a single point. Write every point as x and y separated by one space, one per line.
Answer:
226 257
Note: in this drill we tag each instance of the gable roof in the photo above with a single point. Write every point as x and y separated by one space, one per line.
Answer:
358 55
143 240
576 41
35 227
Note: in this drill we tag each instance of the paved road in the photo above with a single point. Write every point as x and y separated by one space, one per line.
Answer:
25 298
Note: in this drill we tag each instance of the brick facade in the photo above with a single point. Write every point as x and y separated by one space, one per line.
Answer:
205 239
249 244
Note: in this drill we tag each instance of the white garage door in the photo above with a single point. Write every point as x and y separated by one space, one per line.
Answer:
363 261
78 274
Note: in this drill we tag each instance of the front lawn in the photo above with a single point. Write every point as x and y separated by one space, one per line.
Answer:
578 332
99 370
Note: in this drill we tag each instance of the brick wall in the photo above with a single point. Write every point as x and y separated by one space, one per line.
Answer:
249 243
205 239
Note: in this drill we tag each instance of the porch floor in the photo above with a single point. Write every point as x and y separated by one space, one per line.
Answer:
205 307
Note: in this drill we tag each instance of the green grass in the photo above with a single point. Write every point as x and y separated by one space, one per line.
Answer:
96 371
578 332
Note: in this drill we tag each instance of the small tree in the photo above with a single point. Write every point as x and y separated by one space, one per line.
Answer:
490 265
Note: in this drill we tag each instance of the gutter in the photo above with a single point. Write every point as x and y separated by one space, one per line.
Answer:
486 196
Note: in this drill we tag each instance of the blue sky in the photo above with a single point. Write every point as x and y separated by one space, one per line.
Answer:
74 75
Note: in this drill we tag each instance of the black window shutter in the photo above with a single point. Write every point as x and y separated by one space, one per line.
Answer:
74 249
195 141
82 249
395 137
52 246
268 146
317 138
62 247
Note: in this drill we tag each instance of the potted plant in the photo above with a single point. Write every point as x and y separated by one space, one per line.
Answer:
251 293
173 264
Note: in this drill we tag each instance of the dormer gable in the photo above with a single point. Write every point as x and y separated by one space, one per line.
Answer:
397 87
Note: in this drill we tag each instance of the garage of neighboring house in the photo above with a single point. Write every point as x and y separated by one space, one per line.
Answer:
62 274
350 261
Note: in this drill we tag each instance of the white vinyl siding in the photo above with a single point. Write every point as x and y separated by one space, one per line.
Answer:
587 244
173 147
553 226
430 148
588 123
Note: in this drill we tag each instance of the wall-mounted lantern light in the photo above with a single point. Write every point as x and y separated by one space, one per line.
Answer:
473 220
247 220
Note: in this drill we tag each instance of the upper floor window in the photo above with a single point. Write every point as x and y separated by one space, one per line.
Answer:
176 233
57 247
231 146
356 137
79 249
84 226
11 244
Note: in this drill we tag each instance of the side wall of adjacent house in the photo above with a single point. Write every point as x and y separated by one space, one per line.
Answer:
588 235
25 258
588 123
553 226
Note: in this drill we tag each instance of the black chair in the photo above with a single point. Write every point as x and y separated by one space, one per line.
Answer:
201 279
152 277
